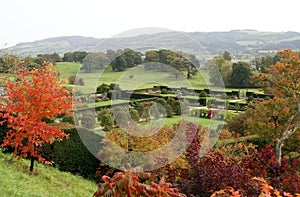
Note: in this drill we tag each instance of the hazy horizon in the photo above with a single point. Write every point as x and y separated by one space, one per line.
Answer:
31 20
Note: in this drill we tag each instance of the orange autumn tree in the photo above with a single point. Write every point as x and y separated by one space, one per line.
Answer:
32 96
283 79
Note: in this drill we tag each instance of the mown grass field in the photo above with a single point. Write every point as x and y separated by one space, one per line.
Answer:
15 180
141 78
205 123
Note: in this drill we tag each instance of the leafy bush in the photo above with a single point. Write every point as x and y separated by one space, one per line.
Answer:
280 175
128 184
169 111
165 91
102 112
172 102
103 88
107 122
265 190
215 171
180 107
238 124
72 155
134 115
162 101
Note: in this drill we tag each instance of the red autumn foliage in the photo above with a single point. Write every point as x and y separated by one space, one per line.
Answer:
282 176
265 191
128 184
32 96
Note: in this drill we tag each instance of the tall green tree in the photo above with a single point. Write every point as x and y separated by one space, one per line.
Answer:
214 70
8 63
240 76
68 57
119 63
94 61
132 57
227 56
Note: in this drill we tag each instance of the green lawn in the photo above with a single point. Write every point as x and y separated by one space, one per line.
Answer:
67 68
15 180
206 123
141 78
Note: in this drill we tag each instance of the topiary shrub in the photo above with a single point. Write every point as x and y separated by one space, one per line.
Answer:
165 91
203 94
204 113
171 101
162 101
103 88
106 121
180 107
169 111
134 115
146 113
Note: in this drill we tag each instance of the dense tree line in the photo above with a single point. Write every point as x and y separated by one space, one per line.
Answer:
76 56
8 63
177 60
223 71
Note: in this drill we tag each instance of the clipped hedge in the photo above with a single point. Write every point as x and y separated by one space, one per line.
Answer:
72 155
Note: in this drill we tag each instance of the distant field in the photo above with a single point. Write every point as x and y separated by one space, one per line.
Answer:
67 68
249 42
140 78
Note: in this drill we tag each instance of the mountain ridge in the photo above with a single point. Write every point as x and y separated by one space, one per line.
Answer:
238 42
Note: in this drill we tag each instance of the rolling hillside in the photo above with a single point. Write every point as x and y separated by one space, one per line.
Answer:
237 42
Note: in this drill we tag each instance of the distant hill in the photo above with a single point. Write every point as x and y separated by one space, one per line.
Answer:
240 43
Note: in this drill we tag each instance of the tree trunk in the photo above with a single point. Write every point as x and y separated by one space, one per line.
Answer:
31 164
278 148
286 134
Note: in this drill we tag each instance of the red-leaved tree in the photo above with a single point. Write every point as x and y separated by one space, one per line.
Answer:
32 96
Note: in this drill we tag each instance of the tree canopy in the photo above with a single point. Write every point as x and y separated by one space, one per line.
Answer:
32 96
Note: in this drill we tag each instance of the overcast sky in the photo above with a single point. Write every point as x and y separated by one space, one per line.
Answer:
30 20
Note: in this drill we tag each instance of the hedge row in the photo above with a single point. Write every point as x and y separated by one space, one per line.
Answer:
72 155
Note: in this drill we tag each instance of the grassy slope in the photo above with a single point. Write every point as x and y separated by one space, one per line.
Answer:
141 79
15 180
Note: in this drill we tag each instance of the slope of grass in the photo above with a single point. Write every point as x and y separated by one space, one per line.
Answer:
141 78
15 180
